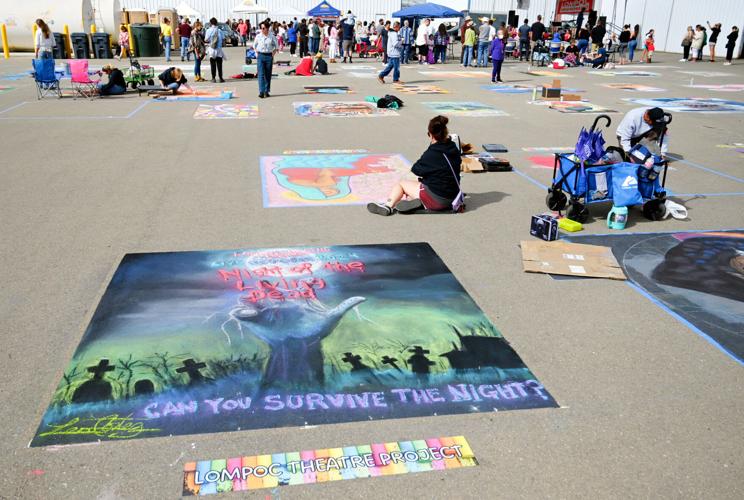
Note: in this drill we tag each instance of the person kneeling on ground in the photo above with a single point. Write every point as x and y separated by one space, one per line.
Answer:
309 65
171 79
116 84
600 58
438 170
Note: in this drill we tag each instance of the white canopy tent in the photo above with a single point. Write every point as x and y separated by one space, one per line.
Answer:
287 14
248 7
185 10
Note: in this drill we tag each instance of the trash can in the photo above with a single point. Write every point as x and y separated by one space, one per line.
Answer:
59 51
102 45
146 39
80 46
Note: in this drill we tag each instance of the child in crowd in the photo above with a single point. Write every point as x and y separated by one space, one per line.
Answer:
123 42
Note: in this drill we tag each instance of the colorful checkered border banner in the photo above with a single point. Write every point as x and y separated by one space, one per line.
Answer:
207 477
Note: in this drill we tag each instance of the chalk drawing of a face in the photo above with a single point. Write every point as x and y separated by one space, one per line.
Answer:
324 177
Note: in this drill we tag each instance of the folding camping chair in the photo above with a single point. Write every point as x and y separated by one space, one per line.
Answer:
81 82
45 78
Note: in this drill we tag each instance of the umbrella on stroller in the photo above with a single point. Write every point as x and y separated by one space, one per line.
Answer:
590 145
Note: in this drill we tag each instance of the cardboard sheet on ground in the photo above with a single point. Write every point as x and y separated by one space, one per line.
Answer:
414 88
464 108
199 95
695 275
341 109
328 89
692 104
226 111
456 74
732 87
570 259
216 341
243 473
633 87
330 179
579 107
601 72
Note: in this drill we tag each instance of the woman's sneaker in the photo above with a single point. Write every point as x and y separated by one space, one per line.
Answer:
379 209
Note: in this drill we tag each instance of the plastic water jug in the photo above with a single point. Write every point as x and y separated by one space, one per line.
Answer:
617 217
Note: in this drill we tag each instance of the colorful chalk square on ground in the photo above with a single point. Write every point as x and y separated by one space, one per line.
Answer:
554 149
732 87
4 89
694 275
706 74
199 95
360 67
579 107
319 179
692 104
341 109
328 464
632 87
623 73
321 151
414 88
456 74
15 76
464 108
547 72
226 111
217 341
360 74
327 89
507 88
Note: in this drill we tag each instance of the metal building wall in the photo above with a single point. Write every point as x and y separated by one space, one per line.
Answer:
670 18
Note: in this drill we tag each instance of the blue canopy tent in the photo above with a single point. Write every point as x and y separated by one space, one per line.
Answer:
324 10
424 10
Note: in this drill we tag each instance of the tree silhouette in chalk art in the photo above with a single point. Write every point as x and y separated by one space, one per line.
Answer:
95 389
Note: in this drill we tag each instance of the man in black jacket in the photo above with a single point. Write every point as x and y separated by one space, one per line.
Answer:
598 33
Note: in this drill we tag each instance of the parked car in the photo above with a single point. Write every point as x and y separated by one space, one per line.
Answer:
231 37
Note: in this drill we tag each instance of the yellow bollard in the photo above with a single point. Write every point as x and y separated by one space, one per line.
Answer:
34 30
6 50
68 42
92 28
131 40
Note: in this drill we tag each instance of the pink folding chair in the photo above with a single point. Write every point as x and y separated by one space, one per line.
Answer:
81 82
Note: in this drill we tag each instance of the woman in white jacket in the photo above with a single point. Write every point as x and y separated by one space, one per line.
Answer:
697 43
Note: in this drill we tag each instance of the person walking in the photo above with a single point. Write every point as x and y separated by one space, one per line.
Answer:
123 42
524 41
686 44
198 47
484 32
537 31
332 42
184 31
384 35
697 43
45 42
302 35
215 40
242 33
633 43
348 40
422 41
441 39
715 30
292 38
266 48
394 46
468 46
497 56
314 37
166 31
648 47
730 44
406 37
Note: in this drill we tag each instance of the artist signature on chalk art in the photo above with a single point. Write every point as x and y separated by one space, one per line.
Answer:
110 427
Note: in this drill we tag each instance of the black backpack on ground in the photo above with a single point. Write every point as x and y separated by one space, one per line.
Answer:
387 100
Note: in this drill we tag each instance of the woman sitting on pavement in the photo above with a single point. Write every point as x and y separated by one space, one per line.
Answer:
116 84
438 171
309 65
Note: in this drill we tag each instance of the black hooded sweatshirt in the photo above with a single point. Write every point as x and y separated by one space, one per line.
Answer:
434 171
